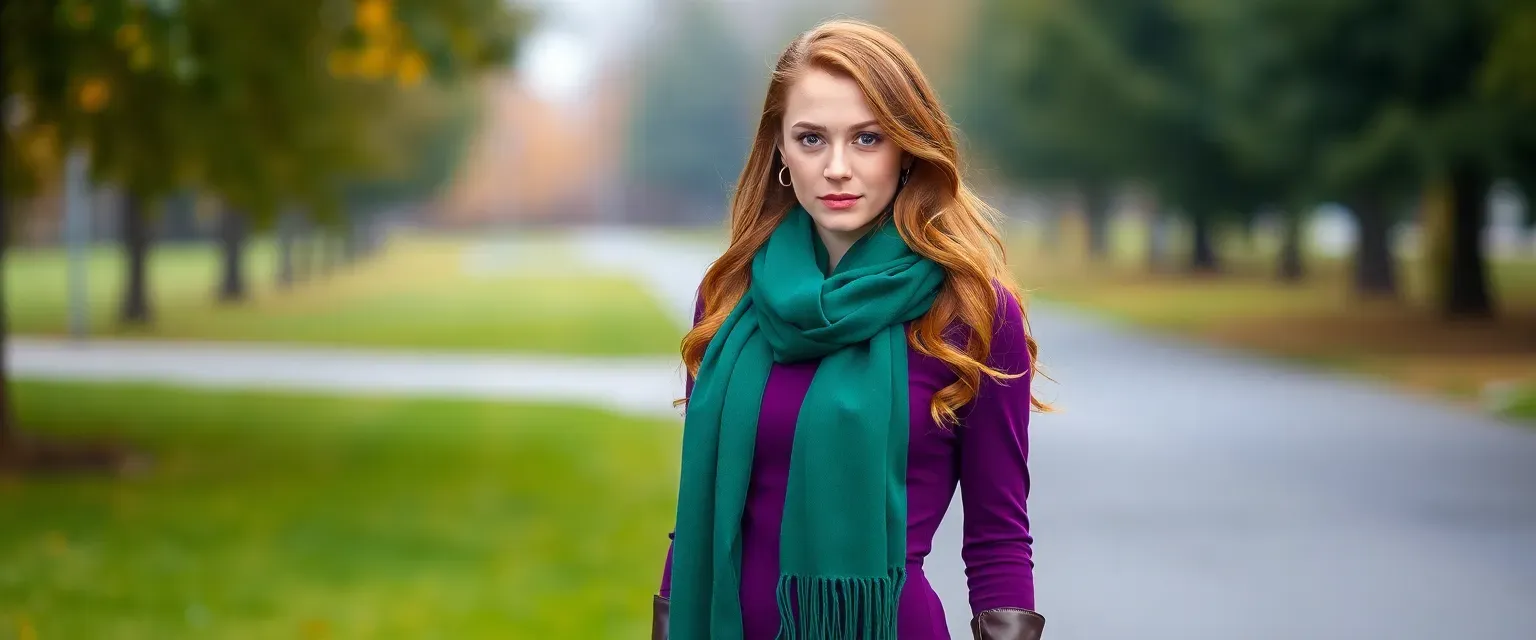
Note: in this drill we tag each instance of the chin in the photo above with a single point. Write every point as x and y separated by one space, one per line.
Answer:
842 221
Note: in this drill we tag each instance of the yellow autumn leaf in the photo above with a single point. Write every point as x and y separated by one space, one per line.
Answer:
411 70
94 95
372 15
373 63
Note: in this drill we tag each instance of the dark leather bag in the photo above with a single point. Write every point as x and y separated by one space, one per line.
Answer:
1007 624
661 618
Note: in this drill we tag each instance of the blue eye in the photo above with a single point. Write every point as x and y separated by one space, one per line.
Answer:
867 139
806 138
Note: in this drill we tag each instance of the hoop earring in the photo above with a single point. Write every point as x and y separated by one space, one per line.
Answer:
783 180
905 173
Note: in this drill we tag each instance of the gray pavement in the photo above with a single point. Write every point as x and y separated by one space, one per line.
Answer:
1185 492
641 385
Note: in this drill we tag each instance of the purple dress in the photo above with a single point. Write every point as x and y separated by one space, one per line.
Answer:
987 456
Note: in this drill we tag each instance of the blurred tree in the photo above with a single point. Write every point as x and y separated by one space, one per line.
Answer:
1028 102
1254 107
1229 107
344 111
1318 75
429 131
1400 95
1509 74
165 95
261 104
694 120
1097 93
101 77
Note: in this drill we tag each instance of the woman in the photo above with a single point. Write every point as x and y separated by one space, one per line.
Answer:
857 352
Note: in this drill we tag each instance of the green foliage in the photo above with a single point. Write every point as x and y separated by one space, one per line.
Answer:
262 103
1101 91
1389 84
1232 105
1509 74
1510 69
429 137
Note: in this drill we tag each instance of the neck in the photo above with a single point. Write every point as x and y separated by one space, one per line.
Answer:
838 242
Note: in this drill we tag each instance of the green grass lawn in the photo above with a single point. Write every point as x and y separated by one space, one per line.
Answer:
414 294
292 516
1523 405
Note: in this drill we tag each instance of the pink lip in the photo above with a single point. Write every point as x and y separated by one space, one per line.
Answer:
839 200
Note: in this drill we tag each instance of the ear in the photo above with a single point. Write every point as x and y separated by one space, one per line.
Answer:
907 160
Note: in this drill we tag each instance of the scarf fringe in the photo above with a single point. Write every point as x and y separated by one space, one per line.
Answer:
825 608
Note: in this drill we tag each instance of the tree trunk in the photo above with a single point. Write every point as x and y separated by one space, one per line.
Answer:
1291 267
1375 269
1466 273
324 253
287 224
352 242
338 249
1157 240
1203 250
1096 217
136 245
232 224
368 238
303 258
1050 230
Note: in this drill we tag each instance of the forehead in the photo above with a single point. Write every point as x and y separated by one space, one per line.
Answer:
826 99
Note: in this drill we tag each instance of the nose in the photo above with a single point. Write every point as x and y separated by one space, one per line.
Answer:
837 165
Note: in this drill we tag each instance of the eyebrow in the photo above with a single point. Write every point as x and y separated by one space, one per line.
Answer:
816 127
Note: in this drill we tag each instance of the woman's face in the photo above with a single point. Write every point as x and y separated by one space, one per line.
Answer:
843 168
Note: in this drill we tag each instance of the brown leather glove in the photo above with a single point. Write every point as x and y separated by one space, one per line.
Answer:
1007 624
661 618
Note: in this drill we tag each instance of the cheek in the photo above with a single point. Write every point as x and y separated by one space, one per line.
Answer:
804 169
882 171
801 164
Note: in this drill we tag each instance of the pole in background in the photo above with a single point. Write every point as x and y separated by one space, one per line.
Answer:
77 237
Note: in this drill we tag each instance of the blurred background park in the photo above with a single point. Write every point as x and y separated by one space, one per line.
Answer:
359 318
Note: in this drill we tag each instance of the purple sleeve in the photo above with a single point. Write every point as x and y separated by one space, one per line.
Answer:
994 474
666 569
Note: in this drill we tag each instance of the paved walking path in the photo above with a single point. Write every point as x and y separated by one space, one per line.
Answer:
1186 492
644 385
1183 492
669 267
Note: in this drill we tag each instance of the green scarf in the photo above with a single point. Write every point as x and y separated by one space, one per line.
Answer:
843 545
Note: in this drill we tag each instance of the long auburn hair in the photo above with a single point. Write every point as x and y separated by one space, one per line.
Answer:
935 212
